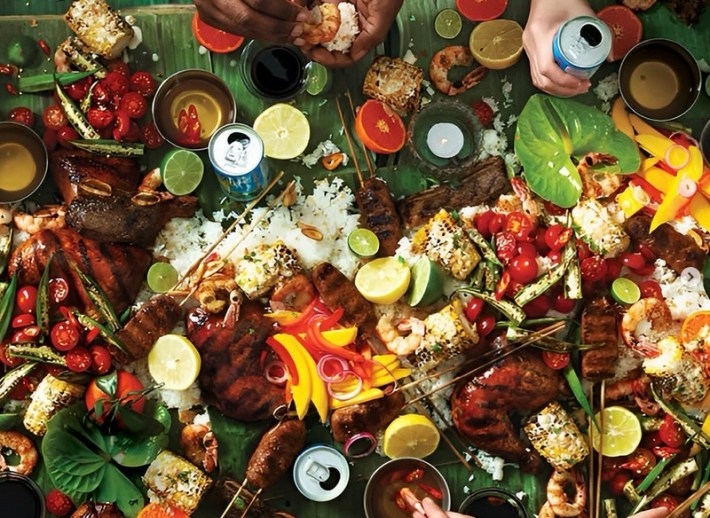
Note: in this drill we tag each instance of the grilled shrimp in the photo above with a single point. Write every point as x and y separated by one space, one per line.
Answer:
522 200
61 62
213 292
597 184
294 293
23 447
557 497
50 217
390 334
200 446
410 500
151 181
449 57
644 323
325 26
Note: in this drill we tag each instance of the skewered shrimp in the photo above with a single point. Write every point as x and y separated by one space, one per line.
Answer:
213 292
449 57
200 446
294 293
61 61
389 333
151 181
23 447
644 324
410 500
557 497
597 184
50 217
325 26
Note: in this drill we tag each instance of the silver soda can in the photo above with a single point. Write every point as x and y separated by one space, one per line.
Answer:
581 45
237 155
321 473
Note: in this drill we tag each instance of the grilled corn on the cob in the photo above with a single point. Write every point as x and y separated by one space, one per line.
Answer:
445 243
593 224
99 27
173 479
261 269
681 375
556 437
50 397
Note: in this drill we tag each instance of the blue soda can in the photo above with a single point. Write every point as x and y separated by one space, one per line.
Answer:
237 155
581 45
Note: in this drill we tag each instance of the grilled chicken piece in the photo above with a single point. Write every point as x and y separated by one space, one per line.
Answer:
275 453
118 269
481 405
370 417
155 318
484 183
599 325
378 213
231 377
677 250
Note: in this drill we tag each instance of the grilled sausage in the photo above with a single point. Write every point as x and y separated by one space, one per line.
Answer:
370 417
155 318
379 214
337 291
599 325
275 453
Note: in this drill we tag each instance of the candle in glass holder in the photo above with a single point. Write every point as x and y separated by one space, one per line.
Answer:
445 139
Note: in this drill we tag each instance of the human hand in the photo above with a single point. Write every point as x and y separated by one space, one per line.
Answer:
278 21
432 510
376 18
544 19
659 512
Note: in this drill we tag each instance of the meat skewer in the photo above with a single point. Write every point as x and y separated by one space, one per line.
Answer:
155 318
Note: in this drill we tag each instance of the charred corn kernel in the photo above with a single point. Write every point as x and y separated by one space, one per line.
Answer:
679 373
99 27
262 268
170 478
555 436
50 397
444 337
594 225
447 244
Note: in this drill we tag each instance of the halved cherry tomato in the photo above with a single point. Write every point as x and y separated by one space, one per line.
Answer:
23 320
134 132
100 95
22 115
78 359
633 260
555 361
6 359
483 222
26 299
613 268
618 481
143 83
671 433
134 104
99 118
519 224
665 500
123 122
77 90
64 336
53 117
562 304
116 83
119 66
650 288
506 246
557 236
485 325
593 268
100 359
58 289
496 223
150 136
640 462
65 135
49 137
538 307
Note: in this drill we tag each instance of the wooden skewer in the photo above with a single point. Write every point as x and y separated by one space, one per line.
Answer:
253 499
590 486
598 488
234 498
678 511
350 142
365 152
448 442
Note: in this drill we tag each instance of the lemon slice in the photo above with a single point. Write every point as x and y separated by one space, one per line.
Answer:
284 130
174 362
621 430
497 44
411 435
384 280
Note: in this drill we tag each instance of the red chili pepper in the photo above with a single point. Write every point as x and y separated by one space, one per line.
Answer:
502 285
665 452
11 89
434 492
44 47
92 334
7 70
285 357
414 475
330 162
189 125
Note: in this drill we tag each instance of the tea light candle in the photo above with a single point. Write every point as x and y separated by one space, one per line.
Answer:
445 139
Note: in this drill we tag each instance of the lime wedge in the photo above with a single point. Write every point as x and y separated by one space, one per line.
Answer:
447 24
621 431
181 171
319 78
162 277
625 291
427 283
174 362
284 130
363 242
384 280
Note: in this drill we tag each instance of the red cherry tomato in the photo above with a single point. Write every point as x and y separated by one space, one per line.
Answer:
134 132
610 467
77 90
23 320
617 483
527 249
562 304
53 117
27 299
100 95
65 135
49 137
646 270
540 243
118 65
506 246
554 256
134 104
557 236
485 325
483 223
593 269
523 269
665 500
78 359
651 440
538 307
583 250
640 462
496 223
6 359
671 433
58 289
64 336
646 251
633 260
100 359
22 115
650 288
115 83
555 361
27 335
99 118
123 123
473 309
613 269
143 83
519 224
150 136
513 288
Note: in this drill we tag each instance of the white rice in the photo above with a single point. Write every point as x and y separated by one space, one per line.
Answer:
348 30
682 297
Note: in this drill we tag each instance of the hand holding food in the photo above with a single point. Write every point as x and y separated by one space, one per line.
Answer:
429 509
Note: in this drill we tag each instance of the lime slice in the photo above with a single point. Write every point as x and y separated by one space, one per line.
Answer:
162 277
621 430
319 79
284 130
411 435
447 24
181 171
625 291
384 280
363 242
427 283
174 362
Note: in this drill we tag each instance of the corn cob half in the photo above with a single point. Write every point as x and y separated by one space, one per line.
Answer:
51 396
170 478
99 27
262 268
555 436
593 224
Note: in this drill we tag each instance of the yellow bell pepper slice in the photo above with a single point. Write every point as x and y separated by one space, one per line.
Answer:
700 210
658 178
654 145
648 163
621 118
362 397
338 337
631 200
642 127
673 202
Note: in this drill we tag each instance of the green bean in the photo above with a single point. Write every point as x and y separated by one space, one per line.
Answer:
7 305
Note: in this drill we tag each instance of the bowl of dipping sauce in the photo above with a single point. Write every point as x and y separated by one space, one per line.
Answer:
23 162
493 502
659 80
22 495
383 491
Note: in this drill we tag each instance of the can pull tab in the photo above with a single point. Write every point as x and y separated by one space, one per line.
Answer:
327 476
237 151
591 34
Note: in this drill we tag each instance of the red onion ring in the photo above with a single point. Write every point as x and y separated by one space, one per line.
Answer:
276 380
357 437
687 188
689 138
344 396
344 366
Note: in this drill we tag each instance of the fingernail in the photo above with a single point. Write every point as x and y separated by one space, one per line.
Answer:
299 42
302 17
297 31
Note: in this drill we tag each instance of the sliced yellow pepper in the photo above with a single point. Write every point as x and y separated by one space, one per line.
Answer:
630 200
658 178
642 127
700 210
655 145
362 397
673 202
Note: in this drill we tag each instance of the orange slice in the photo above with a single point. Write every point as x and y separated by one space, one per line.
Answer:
214 39
379 128
696 326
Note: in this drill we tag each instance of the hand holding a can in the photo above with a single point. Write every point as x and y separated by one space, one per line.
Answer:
544 19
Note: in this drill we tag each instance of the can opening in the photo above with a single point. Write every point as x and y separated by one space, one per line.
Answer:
591 34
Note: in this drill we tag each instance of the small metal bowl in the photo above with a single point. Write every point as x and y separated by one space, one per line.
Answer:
378 482
514 508
17 141
22 495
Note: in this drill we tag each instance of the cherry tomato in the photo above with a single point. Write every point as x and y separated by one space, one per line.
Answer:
671 433
23 320
23 389
485 325
651 440
64 336
650 288
562 304
78 359
496 223
134 104
22 115
513 288
116 83
100 359
25 336
506 246
27 299
53 117
610 467
646 252
665 500
633 260
583 250
538 307
527 249
540 243
473 309
143 83
617 483
134 132
483 223
58 289
646 270
77 90
6 359
523 269
664 452
65 135
552 209
100 95
119 66
49 137
557 236
554 256
150 136
593 268
99 118
555 361
640 462
613 269
519 224
123 123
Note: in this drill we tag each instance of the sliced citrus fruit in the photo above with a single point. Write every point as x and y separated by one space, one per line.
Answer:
481 10
284 130
174 362
162 510
363 242
695 327
379 128
447 24
497 44
181 171
621 432
427 283
214 39
319 78
625 291
339 337
384 280
626 29
411 435
161 277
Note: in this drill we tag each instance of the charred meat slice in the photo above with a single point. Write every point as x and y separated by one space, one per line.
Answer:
599 325
275 453
370 417
155 318
378 213
677 250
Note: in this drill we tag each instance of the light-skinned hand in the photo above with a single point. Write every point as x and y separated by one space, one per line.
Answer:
432 510
659 512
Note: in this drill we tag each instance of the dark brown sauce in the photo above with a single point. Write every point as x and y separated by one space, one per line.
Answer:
491 507
18 496
278 72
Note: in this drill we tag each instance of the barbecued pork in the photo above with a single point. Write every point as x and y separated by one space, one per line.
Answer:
378 213
599 325
484 183
370 417
155 318
275 453
231 377
118 269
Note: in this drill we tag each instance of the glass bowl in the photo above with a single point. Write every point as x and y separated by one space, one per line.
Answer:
23 162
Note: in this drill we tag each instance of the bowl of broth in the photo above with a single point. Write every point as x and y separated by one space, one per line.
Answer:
22 495
493 502
383 491
659 80
23 162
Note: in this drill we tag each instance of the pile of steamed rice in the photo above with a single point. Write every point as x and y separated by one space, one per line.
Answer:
349 29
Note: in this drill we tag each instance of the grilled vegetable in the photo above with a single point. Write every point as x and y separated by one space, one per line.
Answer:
39 354
261 269
78 55
99 27
610 508
110 147
689 426
547 343
45 82
553 433
42 304
484 246
13 377
7 304
573 280
675 473
75 115
50 397
162 474
5 245
98 298
511 311
105 332
547 281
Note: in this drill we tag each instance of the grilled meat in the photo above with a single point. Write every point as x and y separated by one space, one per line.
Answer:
378 213
118 269
97 510
231 377
275 453
481 405
677 250
599 325
155 318
484 183
370 417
